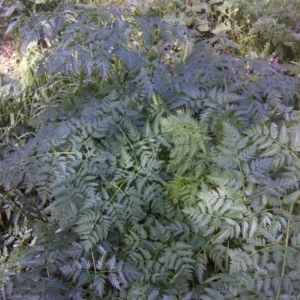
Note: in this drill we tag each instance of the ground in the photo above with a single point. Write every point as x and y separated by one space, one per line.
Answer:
8 58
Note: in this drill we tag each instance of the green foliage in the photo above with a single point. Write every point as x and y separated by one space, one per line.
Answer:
158 167
208 17
269 28
260 28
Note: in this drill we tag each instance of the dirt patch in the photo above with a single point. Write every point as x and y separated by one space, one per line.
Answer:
9 59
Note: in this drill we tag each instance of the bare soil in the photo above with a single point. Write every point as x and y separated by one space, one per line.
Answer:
9 58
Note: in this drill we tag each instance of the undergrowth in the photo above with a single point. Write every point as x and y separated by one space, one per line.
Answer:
146 159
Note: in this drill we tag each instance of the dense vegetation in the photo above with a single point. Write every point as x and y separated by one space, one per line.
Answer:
151 151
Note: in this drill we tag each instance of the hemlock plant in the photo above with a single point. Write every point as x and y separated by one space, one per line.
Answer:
163 169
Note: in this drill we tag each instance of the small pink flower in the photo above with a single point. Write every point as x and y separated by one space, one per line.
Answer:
297 26
46 38
274 62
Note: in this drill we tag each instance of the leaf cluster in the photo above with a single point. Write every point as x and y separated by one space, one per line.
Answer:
159 168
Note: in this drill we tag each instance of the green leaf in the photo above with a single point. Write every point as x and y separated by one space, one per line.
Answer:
221 29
